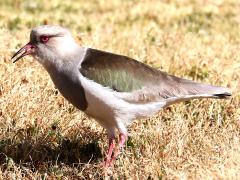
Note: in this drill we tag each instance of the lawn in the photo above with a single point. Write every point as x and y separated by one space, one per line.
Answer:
44 136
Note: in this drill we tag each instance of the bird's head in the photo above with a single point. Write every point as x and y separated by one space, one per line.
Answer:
48 43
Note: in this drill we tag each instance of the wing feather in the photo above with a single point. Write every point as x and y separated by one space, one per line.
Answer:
139 83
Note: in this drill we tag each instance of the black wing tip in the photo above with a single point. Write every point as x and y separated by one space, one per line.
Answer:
222 95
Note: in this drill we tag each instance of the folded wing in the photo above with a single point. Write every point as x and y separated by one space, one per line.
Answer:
136 82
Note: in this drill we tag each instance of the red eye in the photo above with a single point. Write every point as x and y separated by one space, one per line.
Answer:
44 38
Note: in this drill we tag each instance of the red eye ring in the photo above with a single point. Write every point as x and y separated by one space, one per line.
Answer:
44 38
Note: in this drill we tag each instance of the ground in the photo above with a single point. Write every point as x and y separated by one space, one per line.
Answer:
43 136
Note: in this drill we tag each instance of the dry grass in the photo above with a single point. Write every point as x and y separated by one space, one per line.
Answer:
43 136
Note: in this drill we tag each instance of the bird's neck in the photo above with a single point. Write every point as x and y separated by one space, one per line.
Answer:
64 62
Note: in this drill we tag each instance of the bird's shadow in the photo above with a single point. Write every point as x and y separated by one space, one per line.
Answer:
50 148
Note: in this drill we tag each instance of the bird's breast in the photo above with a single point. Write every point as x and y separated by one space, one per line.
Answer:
70 87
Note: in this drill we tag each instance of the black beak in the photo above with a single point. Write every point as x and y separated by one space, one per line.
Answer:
25 50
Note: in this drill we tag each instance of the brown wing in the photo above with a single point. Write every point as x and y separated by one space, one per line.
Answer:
137 82
117 72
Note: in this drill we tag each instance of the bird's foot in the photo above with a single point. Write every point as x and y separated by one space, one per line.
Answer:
122 140
110 153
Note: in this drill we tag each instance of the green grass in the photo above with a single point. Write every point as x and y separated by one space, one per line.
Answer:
43 136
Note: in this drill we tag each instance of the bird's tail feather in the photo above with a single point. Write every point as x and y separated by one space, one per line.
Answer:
214 91
146 110
206 91
187 87
222 95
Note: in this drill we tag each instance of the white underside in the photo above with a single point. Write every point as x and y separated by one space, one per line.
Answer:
110 110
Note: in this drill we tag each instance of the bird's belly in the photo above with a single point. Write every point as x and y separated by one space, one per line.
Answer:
100 110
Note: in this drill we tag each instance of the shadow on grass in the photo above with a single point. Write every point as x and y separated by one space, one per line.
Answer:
36 150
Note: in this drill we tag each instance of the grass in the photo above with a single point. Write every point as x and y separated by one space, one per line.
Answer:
42 136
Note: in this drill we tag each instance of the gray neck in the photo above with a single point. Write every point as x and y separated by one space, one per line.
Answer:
66 63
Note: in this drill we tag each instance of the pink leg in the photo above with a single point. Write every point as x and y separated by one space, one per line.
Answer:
122 140
110 152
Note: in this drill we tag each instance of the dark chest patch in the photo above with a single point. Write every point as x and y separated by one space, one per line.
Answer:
71 89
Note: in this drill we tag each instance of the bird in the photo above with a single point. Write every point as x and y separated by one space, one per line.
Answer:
113 89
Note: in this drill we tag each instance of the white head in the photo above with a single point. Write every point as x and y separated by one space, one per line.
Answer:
50 44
